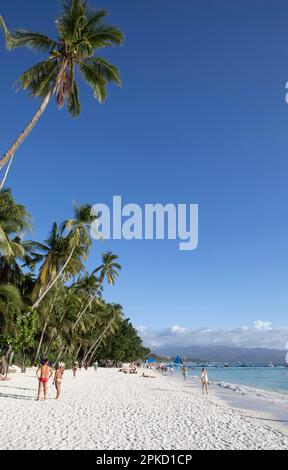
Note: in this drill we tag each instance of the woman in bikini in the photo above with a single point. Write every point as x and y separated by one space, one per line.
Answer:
43 373
58 380
204 380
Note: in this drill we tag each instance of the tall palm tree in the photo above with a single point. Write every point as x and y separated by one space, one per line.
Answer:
10 306
86 287
55 251
114 314
76 243
10 269
109 269
81 32
14 221
62 258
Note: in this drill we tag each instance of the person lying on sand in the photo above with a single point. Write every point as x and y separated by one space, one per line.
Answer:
124 369
146 376
43 374
129 371
58 380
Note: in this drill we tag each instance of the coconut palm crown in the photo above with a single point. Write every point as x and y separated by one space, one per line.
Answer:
81 33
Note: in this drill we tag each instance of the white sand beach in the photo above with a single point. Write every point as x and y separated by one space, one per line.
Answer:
111 410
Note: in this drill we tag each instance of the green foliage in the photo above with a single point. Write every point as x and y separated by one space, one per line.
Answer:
25 331
81 32
10 307
125 345
72 321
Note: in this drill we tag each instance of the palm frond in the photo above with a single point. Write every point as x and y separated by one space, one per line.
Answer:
94 79
6 32
40 78
93 17
36 41
5 247
102 35
9 295
109 72
17 249
73 102
73 20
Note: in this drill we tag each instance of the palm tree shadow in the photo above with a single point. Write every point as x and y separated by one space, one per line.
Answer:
17 397
18 388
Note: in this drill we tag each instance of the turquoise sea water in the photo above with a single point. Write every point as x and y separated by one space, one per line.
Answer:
265 378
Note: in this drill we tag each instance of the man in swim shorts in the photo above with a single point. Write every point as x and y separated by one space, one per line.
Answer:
43 373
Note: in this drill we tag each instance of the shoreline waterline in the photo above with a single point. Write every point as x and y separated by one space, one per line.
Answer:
271 404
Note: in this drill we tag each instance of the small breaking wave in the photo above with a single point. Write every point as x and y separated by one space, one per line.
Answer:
273 398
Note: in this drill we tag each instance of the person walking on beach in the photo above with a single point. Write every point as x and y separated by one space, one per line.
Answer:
58 379
95 366
74 369
43 374
204 380
184 372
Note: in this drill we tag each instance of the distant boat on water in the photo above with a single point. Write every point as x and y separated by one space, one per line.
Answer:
178 360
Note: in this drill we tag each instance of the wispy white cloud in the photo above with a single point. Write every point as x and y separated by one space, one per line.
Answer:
261 334
177 330
263 325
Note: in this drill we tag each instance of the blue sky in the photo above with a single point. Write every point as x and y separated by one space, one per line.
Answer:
201 118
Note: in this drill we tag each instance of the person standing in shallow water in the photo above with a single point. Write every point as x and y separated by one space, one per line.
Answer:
184 372
43 374
204 380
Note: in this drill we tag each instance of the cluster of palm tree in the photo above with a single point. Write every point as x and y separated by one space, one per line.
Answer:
48 281
49 305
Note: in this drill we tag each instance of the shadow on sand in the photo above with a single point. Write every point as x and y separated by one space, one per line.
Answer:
16 397
18 388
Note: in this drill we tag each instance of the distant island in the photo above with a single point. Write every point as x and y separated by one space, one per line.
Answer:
226 354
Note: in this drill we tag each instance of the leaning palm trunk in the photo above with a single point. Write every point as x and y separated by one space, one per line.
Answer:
80 315
78 351
46 324
41 340
6 172
91 350
100 339
7 360
94 351
53 337
47 350
36 304
14 147
59 355
3 365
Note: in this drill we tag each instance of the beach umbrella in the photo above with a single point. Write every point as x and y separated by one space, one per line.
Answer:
151 360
